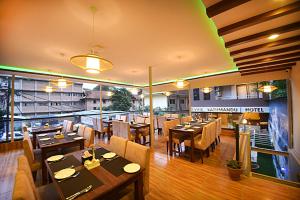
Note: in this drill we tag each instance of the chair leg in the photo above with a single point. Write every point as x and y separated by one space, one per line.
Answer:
207 152
167 147
201 155
34 175
179 149
144 140
219 139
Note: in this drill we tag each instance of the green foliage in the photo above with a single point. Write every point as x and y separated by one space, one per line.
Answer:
104 88
234 164
121 100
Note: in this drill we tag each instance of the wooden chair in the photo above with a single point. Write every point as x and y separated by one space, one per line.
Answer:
204 142
89 137
116 127
31 153
118 145
99 127
126 132
44 192
65 124
140 154
69 127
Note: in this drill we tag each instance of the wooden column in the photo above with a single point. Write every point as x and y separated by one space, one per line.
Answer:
151 108
190 100
12 107
100 88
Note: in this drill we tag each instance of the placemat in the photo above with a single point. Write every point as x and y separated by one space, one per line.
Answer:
62 164
99 152
83 180
115 166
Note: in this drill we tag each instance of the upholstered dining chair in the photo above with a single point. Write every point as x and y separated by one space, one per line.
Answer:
126 132
140 154
89 137
65 124
160 123
44 192
116 127
81 130
213 134
31 153
99 127
117 145
69 128
219 129
204 142
166 126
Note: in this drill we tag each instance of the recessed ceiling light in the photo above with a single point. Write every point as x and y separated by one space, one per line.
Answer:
273 36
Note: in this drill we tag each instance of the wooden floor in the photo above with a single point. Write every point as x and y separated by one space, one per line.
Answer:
177 178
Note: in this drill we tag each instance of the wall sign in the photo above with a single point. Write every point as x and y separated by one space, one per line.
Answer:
231 109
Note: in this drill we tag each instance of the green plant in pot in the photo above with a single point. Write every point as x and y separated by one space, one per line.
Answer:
234 169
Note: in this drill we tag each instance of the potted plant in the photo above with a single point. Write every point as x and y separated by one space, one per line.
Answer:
234 169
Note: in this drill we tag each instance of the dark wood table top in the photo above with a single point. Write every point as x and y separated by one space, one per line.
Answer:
196 127
139 125
45 129
57 142
111 183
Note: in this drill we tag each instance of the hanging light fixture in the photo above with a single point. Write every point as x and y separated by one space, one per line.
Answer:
49 89
181 84
267 88
167 93
109 93
206 90
61 83
91 62
134 91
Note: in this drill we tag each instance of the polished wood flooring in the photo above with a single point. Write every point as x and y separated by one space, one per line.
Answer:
174 177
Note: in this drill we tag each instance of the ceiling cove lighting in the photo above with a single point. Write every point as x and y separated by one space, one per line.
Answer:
273 36
181 84
206 90
267 88
91 62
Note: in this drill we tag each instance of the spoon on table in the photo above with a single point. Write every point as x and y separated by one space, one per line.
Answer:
73 176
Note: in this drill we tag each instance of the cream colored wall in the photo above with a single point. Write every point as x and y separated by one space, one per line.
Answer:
295 84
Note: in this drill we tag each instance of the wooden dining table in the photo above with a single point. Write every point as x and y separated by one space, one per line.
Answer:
43 129
189 133
106 180
137 127
52 145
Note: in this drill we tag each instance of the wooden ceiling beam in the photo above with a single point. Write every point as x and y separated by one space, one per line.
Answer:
267 45
269 59
223 6
285 10
267 67
264 34
292 60
276 51
264 71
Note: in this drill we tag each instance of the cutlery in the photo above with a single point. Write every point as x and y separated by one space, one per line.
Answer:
73 176
85 190
72 166
110 159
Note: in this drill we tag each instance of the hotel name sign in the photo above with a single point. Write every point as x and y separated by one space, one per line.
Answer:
231 109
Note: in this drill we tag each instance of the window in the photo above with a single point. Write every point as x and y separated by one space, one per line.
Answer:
206 96
94 101
196 94
172 101
94 108
181 101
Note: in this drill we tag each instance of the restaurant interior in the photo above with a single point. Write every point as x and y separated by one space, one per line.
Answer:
169 99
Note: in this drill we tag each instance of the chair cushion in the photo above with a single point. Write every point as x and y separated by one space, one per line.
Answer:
48 192
188 142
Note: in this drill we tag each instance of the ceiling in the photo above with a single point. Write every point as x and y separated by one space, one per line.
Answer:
245 26
175 37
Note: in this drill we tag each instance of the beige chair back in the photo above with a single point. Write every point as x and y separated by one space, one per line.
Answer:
118 145
23 165
28 147
89 136
219 126
65 124
22 187
213 131
140 154
123 118
155 122
169 124
81 129
204 142
160 121
124 130
116 127
140 119
69 128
